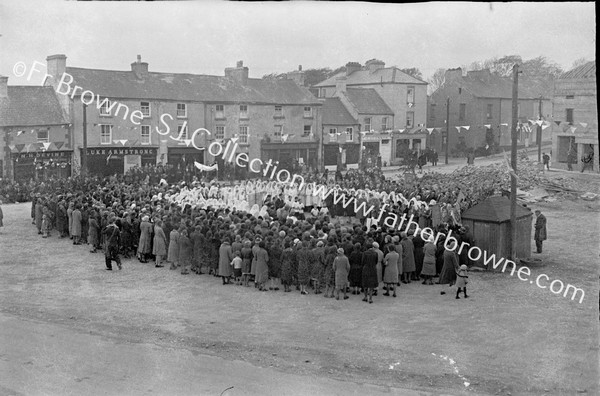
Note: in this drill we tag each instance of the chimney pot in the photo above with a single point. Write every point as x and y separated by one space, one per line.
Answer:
299 67
240 64
139 58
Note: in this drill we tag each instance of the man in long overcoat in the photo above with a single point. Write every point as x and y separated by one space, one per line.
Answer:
540 230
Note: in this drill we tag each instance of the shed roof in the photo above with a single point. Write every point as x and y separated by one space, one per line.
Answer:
335 113
587 70
494 210
30 106
190 87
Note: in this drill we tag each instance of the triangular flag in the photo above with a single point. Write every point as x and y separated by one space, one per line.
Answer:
557 122
187 142
59 145
572 129
19 133
583 124
28 147
234 139
402 130
504 124
363 133
284 138
438 129
123 141
20 147
46 145
532 122
457 128
488 126
33 130
116 141
466 127
430 130
544 126
539 122
12 147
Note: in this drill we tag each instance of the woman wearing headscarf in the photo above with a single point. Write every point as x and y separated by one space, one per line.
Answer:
341 269
93 232
390 276
159 246
262 266
145 241
225 257
356 268
429 260
185 252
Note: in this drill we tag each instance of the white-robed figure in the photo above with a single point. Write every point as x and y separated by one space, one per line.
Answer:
308 190
254 210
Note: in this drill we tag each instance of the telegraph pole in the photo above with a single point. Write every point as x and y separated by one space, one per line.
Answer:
513 160
447 127
84 152
539 132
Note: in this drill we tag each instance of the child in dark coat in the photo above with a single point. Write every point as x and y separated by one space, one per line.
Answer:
461 281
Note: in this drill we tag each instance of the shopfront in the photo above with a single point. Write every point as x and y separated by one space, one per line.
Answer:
291 156
104 161
42 165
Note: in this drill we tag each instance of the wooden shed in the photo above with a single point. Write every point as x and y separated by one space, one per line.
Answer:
489 222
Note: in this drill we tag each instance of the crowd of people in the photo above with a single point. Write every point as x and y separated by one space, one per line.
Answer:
265 233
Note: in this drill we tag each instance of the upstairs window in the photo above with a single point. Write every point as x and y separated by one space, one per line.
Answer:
43 136
220 132
184 135
277 131
278 111
243 111
307 130
410 119
570 116
410 95
350 134
145 136
307 111
243 135
181 110
490 109
145 108
219 112
384 123
367 124
105 134
105 108
432 112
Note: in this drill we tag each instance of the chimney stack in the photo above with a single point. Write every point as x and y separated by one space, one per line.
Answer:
3 87
56 65
351 67
340 84
238 73
297 76
374 64
453 74
139 68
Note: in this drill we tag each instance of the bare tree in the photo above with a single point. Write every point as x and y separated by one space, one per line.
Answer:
414 72
579 62
436 80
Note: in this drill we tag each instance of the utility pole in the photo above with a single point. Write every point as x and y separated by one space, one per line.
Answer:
539 132
84 152
513 160
447 127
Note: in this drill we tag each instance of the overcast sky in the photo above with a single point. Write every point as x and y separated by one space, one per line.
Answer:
206 37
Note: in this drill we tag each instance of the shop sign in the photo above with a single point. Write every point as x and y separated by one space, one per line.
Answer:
121 151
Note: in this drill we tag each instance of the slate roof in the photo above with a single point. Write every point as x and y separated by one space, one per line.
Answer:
386 74
501 87
335 113
367 101
190 87
494 210
30 106
587 70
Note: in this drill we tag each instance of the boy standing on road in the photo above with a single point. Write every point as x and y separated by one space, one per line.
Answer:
112 238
